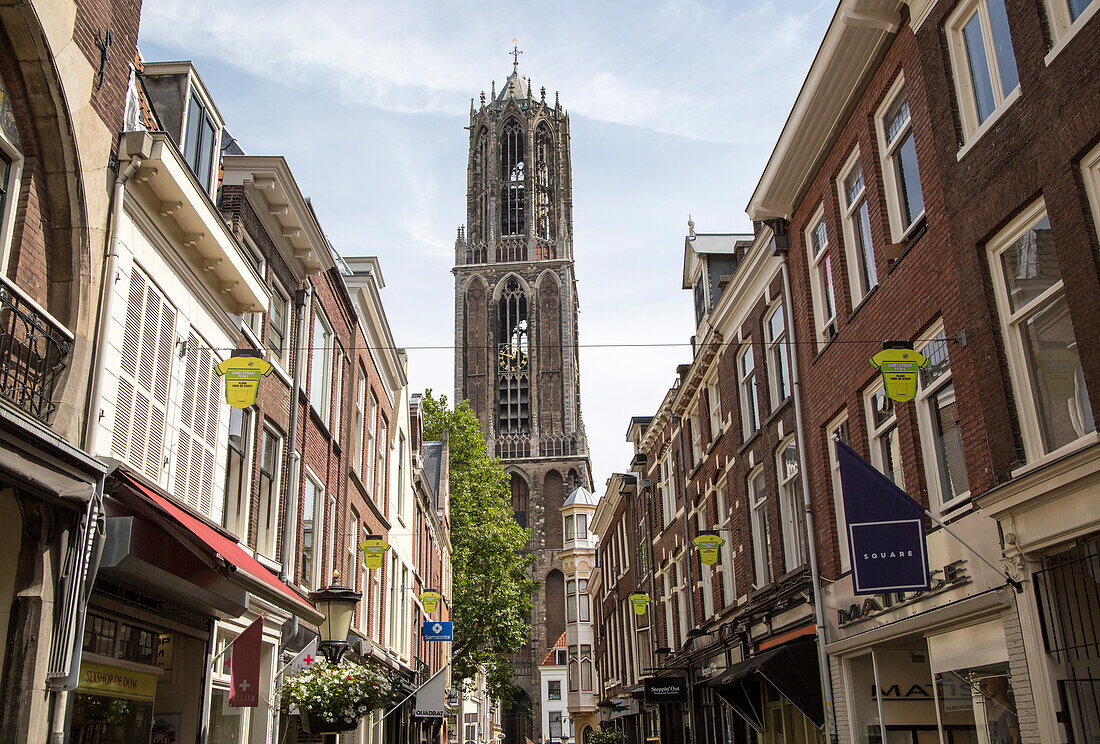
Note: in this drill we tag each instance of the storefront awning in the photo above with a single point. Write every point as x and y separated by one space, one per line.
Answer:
792 669
235 558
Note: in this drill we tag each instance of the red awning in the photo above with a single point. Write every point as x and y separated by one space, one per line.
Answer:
226 547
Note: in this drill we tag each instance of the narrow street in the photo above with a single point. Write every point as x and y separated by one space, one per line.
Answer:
292 342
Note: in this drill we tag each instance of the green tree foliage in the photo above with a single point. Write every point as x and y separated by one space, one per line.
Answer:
491 602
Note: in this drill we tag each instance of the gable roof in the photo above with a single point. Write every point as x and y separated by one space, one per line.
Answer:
549 659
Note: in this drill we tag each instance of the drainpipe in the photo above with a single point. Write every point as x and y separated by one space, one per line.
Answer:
110 277
290 524
781 244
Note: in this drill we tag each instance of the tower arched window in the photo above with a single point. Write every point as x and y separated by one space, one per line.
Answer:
513 363
519 499
513 179
544 183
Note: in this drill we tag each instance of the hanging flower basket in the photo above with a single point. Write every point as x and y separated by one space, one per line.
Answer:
333 698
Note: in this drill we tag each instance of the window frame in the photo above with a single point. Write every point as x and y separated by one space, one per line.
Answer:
746 385
275 479
835 424
794 536
878 431
1023 379
196 96
359 420
714 406
240 522
973 125
1090 175
322 375
317 531
888 151
777 356
926 397
667 481
339 359
761 536
729 577
372 444
10 199
859 258
696 435
281 354
822 278
1063 27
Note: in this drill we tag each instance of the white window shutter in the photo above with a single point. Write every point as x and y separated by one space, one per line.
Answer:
144 378
198 434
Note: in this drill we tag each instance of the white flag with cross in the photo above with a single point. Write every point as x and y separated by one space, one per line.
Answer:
306 658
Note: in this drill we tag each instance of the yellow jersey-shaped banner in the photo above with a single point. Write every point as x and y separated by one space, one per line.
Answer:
374 550
708 544
639 602
899 369
242 378
430 600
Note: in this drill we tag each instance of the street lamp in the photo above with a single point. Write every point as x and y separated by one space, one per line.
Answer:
337 604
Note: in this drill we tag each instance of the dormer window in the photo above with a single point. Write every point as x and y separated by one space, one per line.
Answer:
198 148
700 299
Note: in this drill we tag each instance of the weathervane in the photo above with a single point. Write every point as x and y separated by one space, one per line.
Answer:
515 54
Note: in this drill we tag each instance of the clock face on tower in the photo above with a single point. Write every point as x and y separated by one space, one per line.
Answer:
511 359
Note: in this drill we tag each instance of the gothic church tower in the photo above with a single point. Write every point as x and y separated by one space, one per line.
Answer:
516 332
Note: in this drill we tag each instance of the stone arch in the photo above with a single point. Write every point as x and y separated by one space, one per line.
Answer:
555 607
553 495
573 482
51 177
499 288
548 355
475 352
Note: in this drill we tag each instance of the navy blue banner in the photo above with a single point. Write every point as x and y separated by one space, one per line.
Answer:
885 529
437 630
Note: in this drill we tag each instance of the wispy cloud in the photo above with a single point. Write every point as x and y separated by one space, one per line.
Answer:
679 67
674 104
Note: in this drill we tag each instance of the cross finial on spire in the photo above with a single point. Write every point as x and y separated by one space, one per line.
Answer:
515 54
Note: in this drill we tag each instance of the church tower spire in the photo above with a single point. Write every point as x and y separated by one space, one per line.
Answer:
516 355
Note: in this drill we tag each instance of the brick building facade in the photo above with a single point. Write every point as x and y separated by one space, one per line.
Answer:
936 184
60 117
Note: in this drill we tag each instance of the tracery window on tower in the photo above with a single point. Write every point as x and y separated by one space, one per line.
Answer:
513 362
512 175
519 499
479 190
544 188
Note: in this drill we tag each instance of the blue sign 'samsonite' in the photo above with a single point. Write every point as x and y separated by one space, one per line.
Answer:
437 630
885 529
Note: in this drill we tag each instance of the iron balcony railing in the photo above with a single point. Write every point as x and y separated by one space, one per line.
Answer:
34 352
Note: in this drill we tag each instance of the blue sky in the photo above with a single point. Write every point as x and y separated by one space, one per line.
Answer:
674 108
